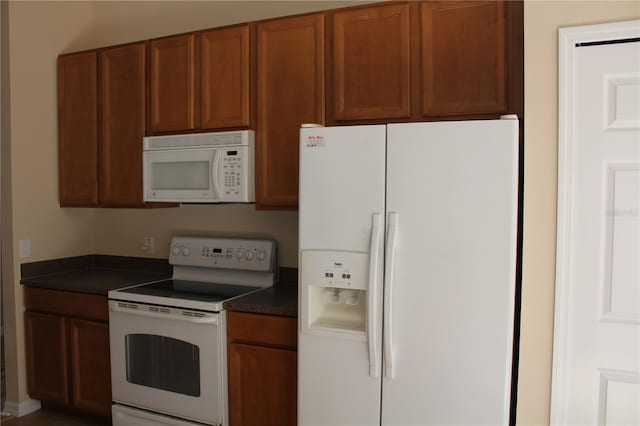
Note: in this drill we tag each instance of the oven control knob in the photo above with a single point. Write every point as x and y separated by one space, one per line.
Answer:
175 250
186 251
260 254
239 253
249 254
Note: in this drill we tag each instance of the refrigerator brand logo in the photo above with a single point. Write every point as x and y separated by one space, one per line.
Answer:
315 141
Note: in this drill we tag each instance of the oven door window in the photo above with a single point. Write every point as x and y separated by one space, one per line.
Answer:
163 363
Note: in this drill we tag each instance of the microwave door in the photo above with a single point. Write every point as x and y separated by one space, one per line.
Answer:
185 175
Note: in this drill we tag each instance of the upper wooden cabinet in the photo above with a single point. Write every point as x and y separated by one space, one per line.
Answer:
172 94
122 106
290 83
369 73
201 81
225 59
463 53
78 129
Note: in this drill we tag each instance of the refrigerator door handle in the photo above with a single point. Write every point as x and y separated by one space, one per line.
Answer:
392 236
372 303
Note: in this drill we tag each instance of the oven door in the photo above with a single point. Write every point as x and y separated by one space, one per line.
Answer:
169 360
183 175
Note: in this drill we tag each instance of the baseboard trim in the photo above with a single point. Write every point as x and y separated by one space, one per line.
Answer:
23 408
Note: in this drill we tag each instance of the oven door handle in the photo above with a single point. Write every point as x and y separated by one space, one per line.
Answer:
171 314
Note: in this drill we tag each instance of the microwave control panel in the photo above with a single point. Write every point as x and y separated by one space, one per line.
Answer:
232 171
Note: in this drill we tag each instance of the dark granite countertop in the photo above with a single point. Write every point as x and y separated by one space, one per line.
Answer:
94 274
97 274
278 300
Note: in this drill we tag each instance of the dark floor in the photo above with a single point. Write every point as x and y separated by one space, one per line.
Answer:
52 418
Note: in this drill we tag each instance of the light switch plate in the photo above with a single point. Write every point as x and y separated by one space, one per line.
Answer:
25 249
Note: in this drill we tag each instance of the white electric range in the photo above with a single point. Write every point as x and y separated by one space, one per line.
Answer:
168 338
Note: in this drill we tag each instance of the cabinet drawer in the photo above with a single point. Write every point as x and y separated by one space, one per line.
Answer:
268 330
81 305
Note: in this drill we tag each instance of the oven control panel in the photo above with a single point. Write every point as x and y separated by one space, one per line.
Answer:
225 253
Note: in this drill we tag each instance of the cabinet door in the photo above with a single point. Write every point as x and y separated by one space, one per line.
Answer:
46 350
173 83
78 129
371 63
290 92
262 386
463 57
90 365
224 78
122 102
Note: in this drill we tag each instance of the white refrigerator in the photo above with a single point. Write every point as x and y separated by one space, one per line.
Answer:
407 270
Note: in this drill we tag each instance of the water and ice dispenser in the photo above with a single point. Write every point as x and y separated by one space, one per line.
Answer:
334 291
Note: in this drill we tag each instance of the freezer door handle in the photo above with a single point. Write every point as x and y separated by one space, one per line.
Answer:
372 303
392 237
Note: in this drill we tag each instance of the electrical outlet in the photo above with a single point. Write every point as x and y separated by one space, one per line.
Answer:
149 244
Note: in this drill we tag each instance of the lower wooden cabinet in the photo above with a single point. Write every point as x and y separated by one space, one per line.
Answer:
89 343
67 345
47 357
262 363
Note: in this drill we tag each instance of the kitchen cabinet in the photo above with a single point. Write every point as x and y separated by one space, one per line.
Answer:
67 350
172 91
100 161
370 62
290 84
122 124
425 60
201 80
225 83
262 366
463 56
78 129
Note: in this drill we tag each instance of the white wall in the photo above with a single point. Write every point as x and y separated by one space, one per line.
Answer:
542 20
39 31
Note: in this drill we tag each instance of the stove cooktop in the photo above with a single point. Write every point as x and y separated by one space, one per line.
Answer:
183 294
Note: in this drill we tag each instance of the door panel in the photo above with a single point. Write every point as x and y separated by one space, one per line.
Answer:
78 129
122 101
90 366
342 186
371 62
224 76
453 187
463 57
46 349
290 84
597 349
173 83
262 386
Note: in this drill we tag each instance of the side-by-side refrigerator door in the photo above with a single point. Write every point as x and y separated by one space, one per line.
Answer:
450 272
341 219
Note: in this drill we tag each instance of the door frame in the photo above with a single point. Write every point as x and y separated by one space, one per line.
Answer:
567 40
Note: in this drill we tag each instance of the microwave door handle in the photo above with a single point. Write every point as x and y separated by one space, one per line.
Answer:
215 173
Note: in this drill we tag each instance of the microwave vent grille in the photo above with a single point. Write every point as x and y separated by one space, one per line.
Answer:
195 140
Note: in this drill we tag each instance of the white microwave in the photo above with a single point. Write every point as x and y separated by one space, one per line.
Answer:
199 167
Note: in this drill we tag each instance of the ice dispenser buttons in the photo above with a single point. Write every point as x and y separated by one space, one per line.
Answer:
334 287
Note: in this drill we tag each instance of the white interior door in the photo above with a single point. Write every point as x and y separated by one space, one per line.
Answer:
597 352
450 280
